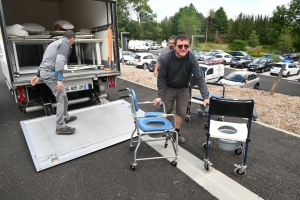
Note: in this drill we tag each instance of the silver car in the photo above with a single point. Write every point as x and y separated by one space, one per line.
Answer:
243 79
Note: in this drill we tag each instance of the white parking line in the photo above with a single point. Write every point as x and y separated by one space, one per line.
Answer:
215 182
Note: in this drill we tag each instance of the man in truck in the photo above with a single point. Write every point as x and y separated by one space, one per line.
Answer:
51 72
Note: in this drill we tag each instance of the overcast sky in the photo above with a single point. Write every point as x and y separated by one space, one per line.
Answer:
232 8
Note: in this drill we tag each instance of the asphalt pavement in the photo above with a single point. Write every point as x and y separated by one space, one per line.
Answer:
273 163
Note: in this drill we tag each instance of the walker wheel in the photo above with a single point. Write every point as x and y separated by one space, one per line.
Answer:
206 166
220 119
174 163
238 151
204 146
188 119
131 148
237 172
132 167
206 126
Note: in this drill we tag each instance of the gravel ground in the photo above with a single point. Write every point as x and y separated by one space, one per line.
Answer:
271 109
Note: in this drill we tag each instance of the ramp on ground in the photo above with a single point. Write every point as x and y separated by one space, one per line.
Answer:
97 127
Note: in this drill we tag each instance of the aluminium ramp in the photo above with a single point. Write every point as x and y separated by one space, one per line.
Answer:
97 127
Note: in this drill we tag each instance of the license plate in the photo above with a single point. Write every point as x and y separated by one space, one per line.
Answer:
76 88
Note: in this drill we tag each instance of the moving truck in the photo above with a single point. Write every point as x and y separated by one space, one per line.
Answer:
93 65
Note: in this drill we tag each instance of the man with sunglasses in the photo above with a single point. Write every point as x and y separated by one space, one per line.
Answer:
176 69
163 52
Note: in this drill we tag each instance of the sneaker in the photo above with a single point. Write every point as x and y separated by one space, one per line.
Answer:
181 139
65 130
71 118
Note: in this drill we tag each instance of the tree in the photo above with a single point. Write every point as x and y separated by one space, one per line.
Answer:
220 21
183 15
166 27
238 45
253 40
285 42
278 22
188 23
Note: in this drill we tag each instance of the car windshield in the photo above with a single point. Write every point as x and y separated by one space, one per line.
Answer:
235 77
259 61
207 53
133 55
278 65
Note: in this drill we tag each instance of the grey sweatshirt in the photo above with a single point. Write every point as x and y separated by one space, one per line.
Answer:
176 72
164 51
55 57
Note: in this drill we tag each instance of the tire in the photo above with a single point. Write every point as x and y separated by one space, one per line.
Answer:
243 66
145 66
262 70
287 75
256 86
298 72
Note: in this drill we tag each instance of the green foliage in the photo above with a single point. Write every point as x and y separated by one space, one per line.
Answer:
181 17
220 21
285 42
238 45
166 27
275 58
253 39
188 23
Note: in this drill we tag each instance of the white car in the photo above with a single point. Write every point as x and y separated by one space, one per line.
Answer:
216 51
142 60
290 69
206 56
243 79
127 56
225 56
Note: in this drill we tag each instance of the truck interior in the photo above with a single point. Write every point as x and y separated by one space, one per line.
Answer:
93 63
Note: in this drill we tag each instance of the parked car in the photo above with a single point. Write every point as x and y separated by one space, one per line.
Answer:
197 54
206 55
243 79
227 57
290 69
261 65
216 51
151 65
239 54
155 47
127 55
292 56
142 60
240 62
214 60
283 59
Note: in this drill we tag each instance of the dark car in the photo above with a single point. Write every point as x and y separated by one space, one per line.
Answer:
240 62
261 65
151 66
292 56
239 54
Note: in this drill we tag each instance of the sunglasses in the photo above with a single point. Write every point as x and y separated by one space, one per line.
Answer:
186 46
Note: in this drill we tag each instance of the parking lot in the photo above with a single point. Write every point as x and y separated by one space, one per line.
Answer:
273 165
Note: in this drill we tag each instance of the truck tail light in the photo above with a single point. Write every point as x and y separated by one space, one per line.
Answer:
21 93
111 82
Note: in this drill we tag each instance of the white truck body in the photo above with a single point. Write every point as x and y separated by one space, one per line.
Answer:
212 73
93 65
138 45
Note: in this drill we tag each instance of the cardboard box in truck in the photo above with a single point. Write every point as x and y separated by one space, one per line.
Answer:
93 64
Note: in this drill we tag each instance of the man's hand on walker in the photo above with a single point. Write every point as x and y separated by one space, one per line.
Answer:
157 101
206 102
